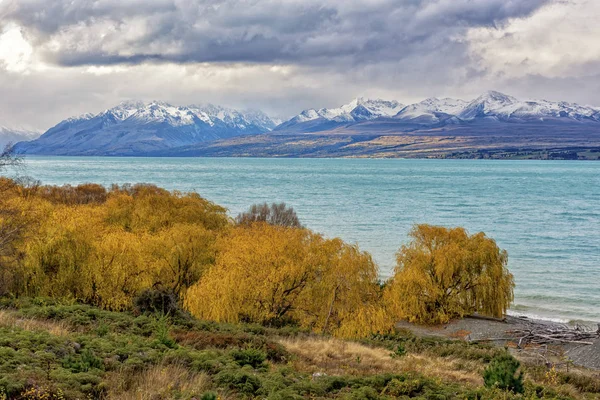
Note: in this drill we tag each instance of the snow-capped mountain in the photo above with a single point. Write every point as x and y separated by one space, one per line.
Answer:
496 106
14 135
432 111
137 127
490 107
359 109
134 128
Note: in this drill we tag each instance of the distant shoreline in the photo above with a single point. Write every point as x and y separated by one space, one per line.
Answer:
462 157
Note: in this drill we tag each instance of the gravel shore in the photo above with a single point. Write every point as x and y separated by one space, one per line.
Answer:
502 332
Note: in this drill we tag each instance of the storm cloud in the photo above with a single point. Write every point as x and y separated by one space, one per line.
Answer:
63 57
107 32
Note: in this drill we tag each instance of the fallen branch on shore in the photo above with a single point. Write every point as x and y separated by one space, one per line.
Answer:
533 333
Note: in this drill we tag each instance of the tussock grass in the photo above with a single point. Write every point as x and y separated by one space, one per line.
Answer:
338 357
158 382
57 328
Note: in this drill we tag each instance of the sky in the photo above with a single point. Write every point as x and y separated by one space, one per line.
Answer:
63 58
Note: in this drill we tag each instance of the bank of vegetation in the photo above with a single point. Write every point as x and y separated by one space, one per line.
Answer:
138 292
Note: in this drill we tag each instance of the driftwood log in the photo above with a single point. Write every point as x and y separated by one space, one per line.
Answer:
534 333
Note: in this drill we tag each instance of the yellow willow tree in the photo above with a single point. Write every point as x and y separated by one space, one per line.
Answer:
19 221
447 273
58 256
179 255
344 296
148 208
275 275
260 272
119 270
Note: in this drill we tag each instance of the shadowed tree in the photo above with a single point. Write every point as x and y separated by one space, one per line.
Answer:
276 214
447 273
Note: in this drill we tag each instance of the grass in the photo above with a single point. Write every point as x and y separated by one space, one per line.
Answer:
338 357
51 350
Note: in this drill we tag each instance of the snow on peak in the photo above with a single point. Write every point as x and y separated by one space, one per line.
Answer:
489 104
138 112
432 108
494 97
497 106
358 109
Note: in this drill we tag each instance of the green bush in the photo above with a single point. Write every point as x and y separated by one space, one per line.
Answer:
162 332
399 351
84 362
502 372
209 396
240 380
409 387
252 357
159 301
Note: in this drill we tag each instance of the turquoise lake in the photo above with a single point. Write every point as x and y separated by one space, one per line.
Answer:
546 214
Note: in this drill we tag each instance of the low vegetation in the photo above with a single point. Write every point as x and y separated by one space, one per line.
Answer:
54 349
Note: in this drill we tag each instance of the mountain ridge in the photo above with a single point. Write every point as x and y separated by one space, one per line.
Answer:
159 128
132 127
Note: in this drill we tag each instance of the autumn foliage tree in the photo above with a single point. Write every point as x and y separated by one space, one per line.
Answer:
16 219
104 247
276 275
109 247
447 273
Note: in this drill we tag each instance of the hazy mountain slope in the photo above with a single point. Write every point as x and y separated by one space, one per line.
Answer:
134 127
11 135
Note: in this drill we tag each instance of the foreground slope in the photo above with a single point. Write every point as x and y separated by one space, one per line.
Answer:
52 350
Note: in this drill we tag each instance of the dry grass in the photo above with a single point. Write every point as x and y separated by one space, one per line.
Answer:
336 357
9 319
158 382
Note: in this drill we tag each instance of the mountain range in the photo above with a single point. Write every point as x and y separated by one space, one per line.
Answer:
489 107
135 127
158 128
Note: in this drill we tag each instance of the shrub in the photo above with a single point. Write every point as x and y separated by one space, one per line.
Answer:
252 357
160 301
84 363
275 214
209 396
399 351
161 331
241 381
408 387
502 373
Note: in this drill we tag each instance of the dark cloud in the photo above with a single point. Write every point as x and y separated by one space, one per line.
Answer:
283 56
307 32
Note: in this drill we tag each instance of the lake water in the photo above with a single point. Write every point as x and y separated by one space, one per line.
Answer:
546 214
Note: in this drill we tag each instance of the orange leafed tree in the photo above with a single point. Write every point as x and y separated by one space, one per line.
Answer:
275 275
259 274
447 273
